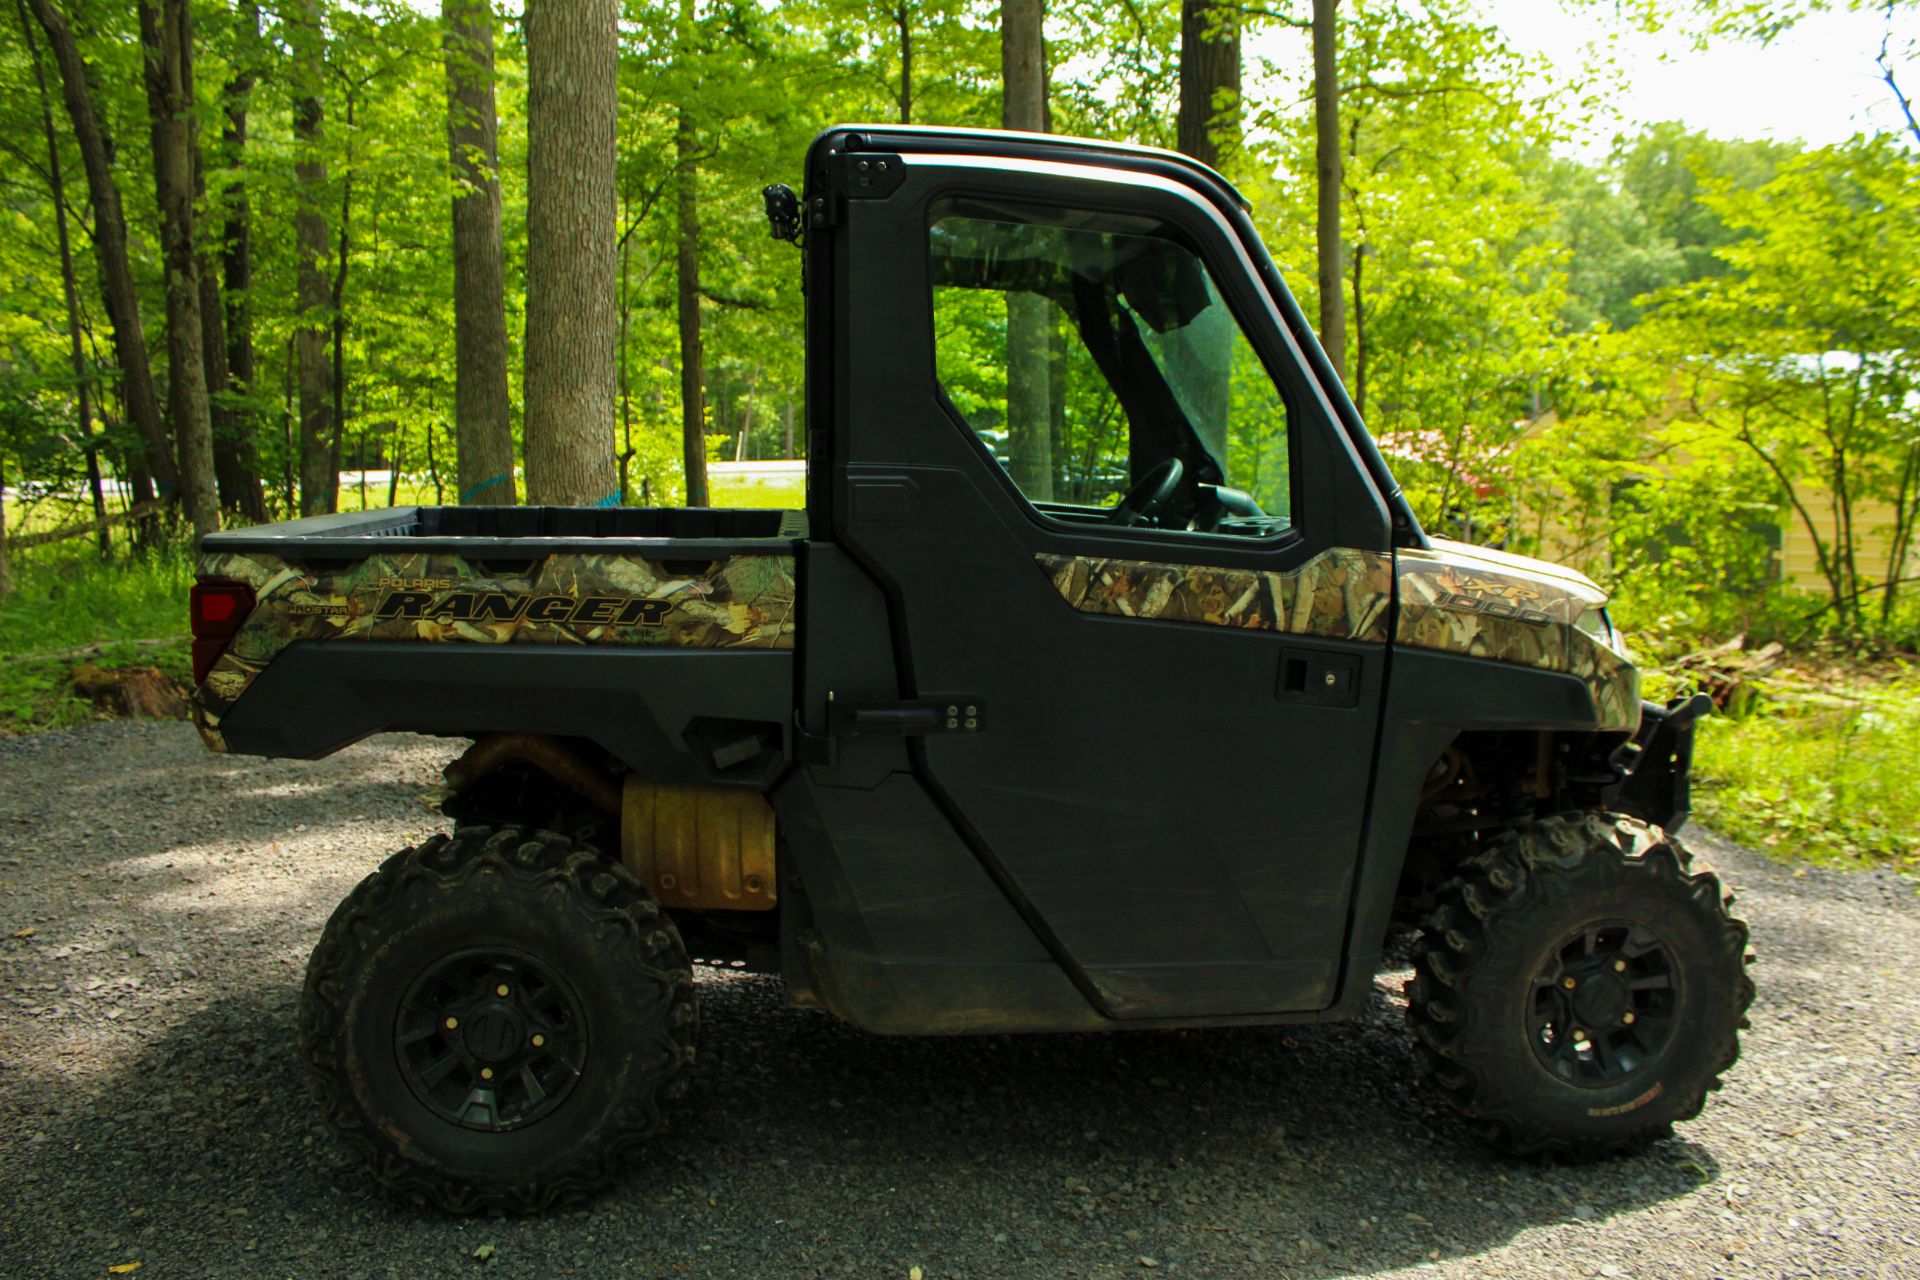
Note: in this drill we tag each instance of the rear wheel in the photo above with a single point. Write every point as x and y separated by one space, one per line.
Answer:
495 1017
1579 988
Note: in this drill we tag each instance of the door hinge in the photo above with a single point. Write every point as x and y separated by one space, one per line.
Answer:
851 176
954 714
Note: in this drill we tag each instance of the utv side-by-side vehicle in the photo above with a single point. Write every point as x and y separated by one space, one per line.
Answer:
1107 681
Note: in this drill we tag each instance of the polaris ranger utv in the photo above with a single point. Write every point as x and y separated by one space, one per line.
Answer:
1106 682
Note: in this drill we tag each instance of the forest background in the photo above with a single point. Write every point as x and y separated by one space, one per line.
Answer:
262 260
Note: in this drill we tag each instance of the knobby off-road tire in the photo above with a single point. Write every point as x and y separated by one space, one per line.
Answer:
518 954
1578 989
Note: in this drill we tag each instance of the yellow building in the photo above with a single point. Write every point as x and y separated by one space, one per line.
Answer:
1795 559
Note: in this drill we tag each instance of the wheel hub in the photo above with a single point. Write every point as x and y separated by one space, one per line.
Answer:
1600 1001
1603 1003
495 1035
491 1039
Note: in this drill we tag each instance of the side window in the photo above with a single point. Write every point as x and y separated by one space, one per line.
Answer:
1094 357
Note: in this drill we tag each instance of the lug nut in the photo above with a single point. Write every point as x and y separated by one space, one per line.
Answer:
539 1040
452 1023
1569 983
500 990
486 1073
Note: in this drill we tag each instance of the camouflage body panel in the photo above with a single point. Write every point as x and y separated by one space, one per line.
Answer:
738 602
1455 599
1460 599
1340 594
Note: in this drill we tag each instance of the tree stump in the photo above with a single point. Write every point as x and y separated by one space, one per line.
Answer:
134 693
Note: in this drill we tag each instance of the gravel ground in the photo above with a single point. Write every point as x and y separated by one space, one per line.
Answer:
157 905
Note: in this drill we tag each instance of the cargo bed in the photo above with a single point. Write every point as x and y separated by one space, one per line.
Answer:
312 633
467 530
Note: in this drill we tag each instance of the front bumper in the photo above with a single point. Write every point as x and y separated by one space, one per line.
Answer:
1656 765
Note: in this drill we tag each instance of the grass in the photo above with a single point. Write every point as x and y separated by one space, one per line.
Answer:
1821 769
67 599
758 492
754 491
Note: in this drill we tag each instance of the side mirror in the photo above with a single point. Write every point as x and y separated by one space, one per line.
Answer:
783 212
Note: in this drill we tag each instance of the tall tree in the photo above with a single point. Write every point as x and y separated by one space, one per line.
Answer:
1209 79
1029 326
70 294
156 466
1327 182
481 412
319 479
693 355
6 562
166 33
903 24
238 463
572 106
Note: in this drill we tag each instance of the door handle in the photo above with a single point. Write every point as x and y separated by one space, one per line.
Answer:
1318 678
955 714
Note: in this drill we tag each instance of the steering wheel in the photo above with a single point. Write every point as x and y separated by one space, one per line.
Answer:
1149 494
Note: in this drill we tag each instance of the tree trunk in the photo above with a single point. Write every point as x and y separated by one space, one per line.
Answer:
693 359
236 249
483 428
69 288
1022 66
903 21
236 470
6 564
167 34
572 99
1209 125
337 330
319 479
156 464
1029 326
693 373
1361 353
622 345
1326 132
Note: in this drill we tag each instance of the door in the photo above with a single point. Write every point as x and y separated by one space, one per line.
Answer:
1122 534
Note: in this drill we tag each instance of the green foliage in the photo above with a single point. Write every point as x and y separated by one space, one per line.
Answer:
1455 276
1671 174
1805 357
68 599
1821 770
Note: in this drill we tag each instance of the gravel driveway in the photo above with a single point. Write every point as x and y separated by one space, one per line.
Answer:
156 909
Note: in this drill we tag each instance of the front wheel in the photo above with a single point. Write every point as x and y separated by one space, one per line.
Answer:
1578 989
494 1017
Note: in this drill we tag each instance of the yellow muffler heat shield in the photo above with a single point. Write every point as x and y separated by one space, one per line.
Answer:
708 848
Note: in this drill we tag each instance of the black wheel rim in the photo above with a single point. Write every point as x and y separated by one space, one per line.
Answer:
1602 1005
491 1039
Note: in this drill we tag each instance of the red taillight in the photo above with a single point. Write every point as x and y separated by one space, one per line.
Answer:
215 610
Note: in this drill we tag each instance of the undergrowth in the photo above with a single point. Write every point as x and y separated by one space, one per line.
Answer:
68 602
1819 769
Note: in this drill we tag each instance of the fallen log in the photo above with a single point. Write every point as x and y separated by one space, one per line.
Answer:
134 512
